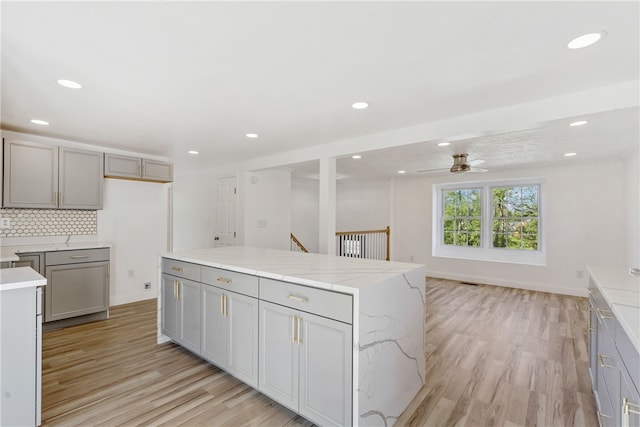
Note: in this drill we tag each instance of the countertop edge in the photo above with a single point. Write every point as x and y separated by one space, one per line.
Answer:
622 320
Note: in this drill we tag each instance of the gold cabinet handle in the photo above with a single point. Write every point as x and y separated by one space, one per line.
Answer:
601 358
626 405
224 280
298 330
601 315
79 256
222 305
178 269
590 327
297 298
225 298
600 415
293 329
174 289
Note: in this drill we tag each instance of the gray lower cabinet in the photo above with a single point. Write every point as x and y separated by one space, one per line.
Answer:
77 283
230 332
47 176
127 167
181 311
305 363
630 414
34 260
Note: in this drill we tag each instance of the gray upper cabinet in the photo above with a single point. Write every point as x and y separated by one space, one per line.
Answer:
81 179
127 167
50 177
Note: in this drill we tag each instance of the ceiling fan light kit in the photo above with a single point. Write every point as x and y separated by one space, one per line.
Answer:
460 165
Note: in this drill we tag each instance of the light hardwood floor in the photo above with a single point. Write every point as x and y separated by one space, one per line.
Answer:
495 357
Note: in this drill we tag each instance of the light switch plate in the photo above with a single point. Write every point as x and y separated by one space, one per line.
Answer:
5 223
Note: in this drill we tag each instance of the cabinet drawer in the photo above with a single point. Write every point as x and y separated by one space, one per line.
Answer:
77 256
630 357
325 303
182 269
603 311
231 281
608 364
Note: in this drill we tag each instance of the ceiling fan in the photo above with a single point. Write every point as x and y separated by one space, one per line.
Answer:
460 165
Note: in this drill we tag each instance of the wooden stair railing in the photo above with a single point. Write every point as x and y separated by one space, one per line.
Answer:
300 247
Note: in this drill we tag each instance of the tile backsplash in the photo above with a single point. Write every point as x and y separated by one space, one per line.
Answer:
49 222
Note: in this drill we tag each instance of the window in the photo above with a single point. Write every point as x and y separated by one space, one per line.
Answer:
461 217
491 221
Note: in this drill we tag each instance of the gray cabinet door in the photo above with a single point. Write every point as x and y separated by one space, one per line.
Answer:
214 326
33 260
593 344
116 166
76 289
630 401
189 314
156 170
169 307
242 337
278 354
325 370
81 179
30 175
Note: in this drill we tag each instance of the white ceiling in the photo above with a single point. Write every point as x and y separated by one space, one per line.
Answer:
162 78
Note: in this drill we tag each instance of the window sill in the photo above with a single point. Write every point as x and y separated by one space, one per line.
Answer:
510 256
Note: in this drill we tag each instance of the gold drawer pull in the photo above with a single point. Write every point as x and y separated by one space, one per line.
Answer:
627 410
297 298
178 269
224 280
601 358
79 256
602 316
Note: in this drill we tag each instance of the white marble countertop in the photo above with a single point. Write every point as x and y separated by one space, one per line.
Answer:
341 274
20 277
9 253
621 290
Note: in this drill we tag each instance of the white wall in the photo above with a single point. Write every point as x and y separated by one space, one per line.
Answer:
134 221
581 220
632 208
363 204
267 208
305 204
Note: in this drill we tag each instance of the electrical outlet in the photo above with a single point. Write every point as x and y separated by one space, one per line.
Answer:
147 285
5 222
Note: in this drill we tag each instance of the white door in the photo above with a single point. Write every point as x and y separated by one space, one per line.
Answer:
325 371
226 227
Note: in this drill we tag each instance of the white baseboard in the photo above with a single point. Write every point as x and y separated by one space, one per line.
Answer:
531 286
133 298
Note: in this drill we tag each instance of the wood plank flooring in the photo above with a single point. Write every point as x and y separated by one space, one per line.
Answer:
495 357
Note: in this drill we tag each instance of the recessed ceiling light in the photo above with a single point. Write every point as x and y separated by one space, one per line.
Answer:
443 144
39 122
578 123
251 135
586 40
356 156
69 83
570 154
402 172
360 105
194 152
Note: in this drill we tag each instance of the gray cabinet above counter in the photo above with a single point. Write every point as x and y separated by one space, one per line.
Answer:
136 168
50 177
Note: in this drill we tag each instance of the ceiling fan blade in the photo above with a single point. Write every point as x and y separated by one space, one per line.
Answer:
433 170
475 162
481 170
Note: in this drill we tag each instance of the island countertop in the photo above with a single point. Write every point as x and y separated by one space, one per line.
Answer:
342 274
20 277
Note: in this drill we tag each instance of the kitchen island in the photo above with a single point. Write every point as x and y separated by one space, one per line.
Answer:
339 340
21 349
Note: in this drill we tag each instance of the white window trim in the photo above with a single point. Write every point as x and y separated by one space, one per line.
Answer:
486 252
